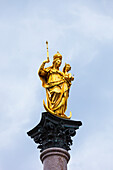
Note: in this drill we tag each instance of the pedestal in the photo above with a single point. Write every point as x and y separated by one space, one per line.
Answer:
53 136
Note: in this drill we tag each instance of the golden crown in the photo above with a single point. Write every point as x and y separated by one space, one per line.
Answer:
57 55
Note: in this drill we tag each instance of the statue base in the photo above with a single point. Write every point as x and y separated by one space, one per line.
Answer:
53 131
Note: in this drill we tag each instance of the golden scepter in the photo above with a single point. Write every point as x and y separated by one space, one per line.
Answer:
47 51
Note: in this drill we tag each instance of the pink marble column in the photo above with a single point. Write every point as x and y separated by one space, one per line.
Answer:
55 159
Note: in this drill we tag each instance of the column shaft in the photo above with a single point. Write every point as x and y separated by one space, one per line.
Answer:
55 159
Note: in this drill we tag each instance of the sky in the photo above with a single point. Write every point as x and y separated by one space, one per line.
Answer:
82 31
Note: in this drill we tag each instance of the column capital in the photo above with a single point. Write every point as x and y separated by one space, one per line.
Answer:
53 131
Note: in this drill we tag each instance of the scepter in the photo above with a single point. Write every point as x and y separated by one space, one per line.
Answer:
47 51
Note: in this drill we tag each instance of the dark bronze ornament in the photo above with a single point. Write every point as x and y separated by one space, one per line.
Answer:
53 131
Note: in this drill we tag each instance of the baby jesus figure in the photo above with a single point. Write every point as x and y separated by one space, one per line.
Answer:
68 76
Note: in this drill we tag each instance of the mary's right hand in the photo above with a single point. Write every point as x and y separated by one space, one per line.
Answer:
46 61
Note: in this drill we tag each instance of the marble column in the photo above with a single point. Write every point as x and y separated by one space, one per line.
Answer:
55 159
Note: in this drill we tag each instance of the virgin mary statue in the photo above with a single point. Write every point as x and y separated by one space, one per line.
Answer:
57 86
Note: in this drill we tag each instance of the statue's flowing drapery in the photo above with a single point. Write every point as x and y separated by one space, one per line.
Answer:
57 90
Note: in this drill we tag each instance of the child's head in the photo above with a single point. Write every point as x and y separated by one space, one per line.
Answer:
66 68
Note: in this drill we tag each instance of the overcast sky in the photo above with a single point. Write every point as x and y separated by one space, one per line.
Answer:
82 31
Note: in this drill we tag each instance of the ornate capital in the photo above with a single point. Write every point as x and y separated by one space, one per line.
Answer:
53 131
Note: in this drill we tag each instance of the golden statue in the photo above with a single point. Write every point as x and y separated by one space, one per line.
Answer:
57 85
